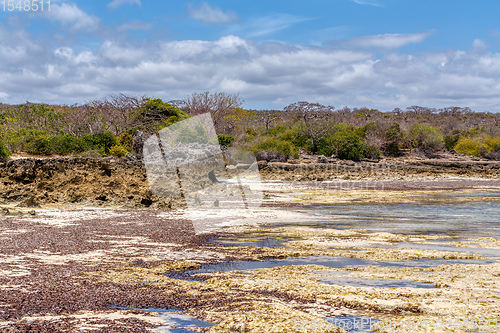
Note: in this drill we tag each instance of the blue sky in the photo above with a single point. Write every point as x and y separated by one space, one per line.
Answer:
358 53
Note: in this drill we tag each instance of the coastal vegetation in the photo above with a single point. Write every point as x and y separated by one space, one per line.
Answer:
108 127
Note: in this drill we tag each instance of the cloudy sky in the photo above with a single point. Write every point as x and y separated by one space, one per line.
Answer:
358 53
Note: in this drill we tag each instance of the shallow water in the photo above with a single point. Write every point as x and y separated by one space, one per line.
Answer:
461 215
445 214
332 262
173 320
485 252
252 240
339 278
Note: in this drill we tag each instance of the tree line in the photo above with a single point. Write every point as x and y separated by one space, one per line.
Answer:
108 127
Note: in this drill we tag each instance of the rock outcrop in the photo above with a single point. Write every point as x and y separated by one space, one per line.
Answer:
80 180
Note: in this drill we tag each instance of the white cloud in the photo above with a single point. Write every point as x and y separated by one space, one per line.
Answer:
385 41
211 15
270 24
265 74
72 16
117 3
67 53
113 54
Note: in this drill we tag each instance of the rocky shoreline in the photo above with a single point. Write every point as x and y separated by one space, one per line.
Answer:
105 182
97 182
92 268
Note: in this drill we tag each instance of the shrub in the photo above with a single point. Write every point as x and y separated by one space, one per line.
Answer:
484 145
118 151
274 146
126 140
101 142
225 140
494 155
67 144
346 143
4 151
394 138
491 144
250 134
468 146
159 114
451 140
295 135
426 137
39 145
276 130
372 152
197 134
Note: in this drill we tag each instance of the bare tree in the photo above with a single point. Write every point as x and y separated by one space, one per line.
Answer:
118 111
268 117
218 104
314 116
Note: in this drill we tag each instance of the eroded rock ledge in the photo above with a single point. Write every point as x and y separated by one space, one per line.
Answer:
108 182
75 179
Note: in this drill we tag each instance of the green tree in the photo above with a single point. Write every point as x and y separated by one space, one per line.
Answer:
394 137
156 114
426 137
4 151
314 118
225 140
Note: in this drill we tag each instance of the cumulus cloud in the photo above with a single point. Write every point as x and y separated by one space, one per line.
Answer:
211 15
267 75
71 15
68 54
385 41
117 3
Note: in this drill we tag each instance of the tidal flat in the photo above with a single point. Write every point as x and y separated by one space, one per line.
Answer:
314 257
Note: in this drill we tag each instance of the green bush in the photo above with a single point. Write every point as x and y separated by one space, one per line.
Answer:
346 143
426 137
275 145
198 134
250 134
451 140
159 114
491 144
394 137
276 130
482 145
39 145
126 140
225 140
294 134
16 140
67 144
4 151
468 146
118 151
101 142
